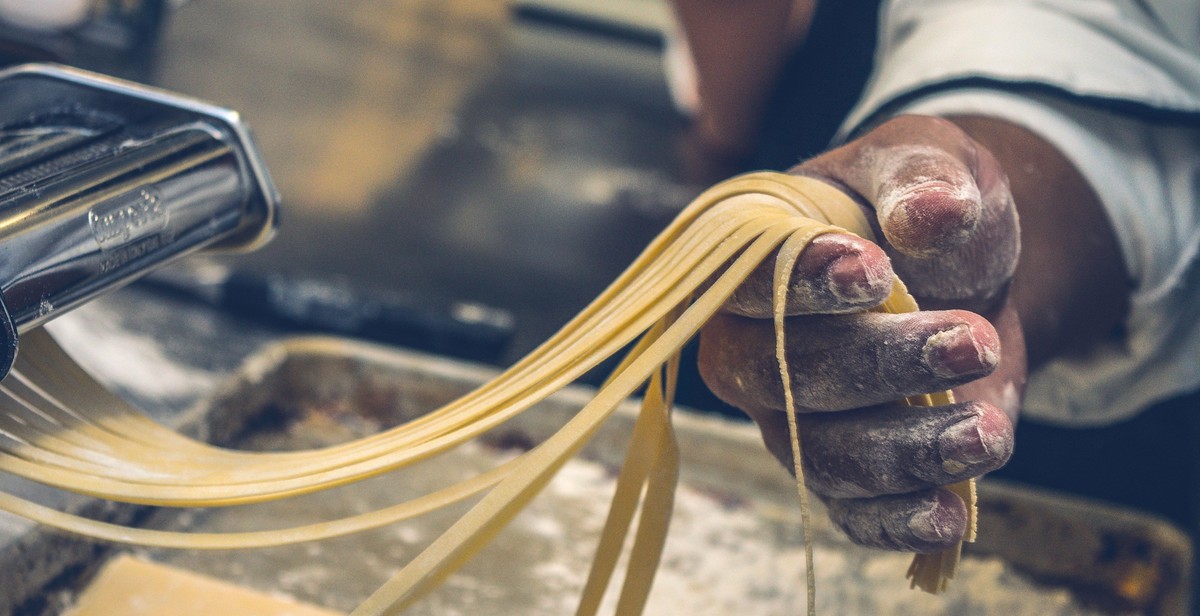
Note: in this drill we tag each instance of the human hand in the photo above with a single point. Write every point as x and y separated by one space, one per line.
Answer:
948 227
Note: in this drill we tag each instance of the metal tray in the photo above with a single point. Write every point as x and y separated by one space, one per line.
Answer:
735 543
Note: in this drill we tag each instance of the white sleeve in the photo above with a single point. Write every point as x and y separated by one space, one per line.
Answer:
1117 91
1116 53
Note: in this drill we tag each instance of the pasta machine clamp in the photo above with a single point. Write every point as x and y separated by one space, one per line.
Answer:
103 180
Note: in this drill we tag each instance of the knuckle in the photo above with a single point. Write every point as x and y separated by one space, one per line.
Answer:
734 365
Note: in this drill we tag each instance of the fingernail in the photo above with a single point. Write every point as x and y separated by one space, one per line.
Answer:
928 217
855 281
955 352
929 526
961 445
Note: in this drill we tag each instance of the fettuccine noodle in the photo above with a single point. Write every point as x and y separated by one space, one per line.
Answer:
60 427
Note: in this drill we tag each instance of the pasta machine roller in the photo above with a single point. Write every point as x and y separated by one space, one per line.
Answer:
103 180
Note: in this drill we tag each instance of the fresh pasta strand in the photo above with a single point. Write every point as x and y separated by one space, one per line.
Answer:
60 427
785 263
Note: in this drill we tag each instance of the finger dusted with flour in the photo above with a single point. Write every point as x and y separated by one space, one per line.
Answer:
926 522
836 273
847 361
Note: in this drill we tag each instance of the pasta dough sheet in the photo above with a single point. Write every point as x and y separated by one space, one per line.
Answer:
130 586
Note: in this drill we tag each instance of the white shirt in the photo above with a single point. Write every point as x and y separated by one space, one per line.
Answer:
1115 86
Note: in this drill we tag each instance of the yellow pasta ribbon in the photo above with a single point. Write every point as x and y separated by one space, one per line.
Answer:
60 427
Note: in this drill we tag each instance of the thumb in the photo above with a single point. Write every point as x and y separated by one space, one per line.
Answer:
942 203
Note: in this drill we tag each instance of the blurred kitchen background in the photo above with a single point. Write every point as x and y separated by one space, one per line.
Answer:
508 155
517 155
451 148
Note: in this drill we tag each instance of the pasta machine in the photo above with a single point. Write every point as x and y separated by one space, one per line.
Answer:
103 180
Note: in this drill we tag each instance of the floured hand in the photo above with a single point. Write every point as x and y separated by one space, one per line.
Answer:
949 229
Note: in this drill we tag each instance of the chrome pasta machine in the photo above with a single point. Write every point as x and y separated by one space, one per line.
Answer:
103 180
